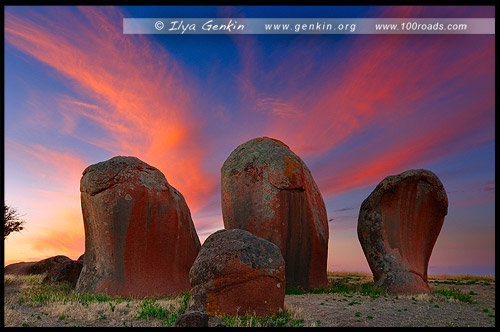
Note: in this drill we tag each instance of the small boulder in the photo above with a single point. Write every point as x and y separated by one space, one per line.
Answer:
237 273
269 191
398 226
198 319
39 267
48 264
20 268
65 272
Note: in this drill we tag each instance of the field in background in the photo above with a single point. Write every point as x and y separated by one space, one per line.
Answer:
350 300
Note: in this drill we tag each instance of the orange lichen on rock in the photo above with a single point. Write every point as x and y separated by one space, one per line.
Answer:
269 191
140 240
274 139
293 169
237 273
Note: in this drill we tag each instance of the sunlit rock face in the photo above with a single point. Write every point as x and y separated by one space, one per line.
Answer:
269 191
398 226
140 240
237 273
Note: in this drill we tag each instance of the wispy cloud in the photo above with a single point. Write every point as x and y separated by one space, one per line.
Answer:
133 92
400 101
130 98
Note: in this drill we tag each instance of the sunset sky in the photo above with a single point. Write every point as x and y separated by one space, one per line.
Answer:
355 108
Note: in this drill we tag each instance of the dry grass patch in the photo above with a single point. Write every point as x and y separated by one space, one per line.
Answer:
290 317
463 277
23 280
357 277
90 312
12 317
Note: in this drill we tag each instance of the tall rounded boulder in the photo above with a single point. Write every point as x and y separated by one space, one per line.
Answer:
237 273
269 191
398 226
140 240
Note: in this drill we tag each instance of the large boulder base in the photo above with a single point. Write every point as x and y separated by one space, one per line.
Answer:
398 226
140 240
237 273
269 191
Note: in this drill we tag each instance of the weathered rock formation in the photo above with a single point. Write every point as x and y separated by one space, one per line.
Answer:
269 191
140 240
237 273
398 226
45 265
65 272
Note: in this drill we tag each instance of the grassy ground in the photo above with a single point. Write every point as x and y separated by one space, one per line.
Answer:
29 302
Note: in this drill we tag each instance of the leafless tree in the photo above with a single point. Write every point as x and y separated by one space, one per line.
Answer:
12 221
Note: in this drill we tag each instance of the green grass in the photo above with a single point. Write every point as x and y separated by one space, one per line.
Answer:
369 289
279 320
350 287
472 282
453 293
341 286
150 308
40 293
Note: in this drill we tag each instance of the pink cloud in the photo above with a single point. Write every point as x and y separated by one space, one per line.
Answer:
133 92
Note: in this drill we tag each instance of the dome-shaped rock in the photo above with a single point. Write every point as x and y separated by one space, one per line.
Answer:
269 191
237 273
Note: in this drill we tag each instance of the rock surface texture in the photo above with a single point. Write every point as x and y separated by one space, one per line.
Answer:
398 226
65 272
269 191
140 240
237 273
20 268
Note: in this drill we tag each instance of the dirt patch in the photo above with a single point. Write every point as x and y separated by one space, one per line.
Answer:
391 311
